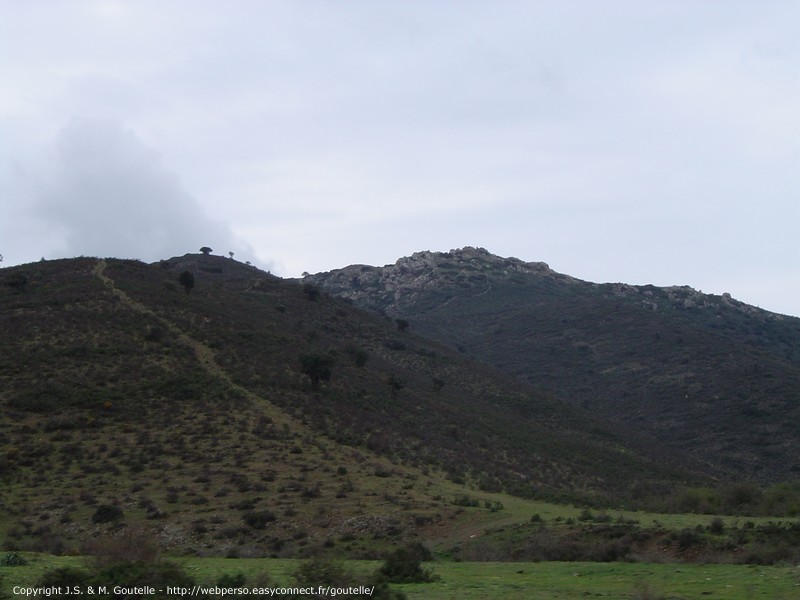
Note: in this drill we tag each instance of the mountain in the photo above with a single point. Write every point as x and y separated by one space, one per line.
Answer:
235 412
699 372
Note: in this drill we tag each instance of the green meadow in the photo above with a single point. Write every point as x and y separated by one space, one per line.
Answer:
507 580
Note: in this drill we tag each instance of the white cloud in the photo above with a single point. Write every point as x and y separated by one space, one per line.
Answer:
102 192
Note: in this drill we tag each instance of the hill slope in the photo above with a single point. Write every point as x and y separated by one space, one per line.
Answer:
699 372
242 411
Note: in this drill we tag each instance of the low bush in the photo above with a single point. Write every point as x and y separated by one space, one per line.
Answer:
159 575
258 519
13 559
465 500
129 545
404 565
107 513
319 572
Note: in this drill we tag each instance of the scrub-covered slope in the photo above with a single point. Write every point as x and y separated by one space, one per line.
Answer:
230 409
700 372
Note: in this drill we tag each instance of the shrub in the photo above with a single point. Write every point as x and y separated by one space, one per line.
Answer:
64 577
395 384
156 573
13 559
404 565
717 526
322 572
311 291
687 538
227 580
159 574
317 367
186 279
131 545
586 515
107 513
603 518
258 519
319 572
740 497
495 506
465 500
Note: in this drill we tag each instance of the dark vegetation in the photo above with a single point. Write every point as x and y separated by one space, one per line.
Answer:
259 417
702 373
600 537
120 563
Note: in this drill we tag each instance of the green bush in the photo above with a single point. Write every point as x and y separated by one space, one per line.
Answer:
323 572
13 559
327 573
404 565
586 515
465 500
494 506
158 574
687 538
717 526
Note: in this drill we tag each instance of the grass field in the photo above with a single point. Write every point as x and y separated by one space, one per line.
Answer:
516 510
546 580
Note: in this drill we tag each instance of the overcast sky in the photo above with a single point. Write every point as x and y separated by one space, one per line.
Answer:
635 141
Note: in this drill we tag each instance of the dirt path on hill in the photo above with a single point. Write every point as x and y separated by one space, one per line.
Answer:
204 354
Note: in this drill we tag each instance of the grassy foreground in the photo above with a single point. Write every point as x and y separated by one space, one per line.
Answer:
545 580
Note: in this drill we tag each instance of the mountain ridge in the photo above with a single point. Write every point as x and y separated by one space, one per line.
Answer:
696 370
423 263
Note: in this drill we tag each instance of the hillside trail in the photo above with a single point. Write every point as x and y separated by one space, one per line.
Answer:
205 357
204 354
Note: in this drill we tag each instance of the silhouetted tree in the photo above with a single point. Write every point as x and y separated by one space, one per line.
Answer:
230 254
186 279
206 250
317 366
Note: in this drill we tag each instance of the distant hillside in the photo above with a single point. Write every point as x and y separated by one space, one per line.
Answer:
236 412
704 373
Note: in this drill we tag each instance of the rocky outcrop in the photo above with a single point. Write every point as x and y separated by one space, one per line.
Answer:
388 289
